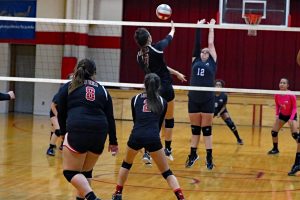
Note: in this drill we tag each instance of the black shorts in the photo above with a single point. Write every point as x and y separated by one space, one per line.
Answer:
205 107
167 92
84 142
286 118
150 146
51 114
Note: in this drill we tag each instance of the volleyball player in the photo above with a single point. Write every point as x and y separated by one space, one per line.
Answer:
55 132
221 110
201 103
286 111
148 112
151 59
85 113
7 96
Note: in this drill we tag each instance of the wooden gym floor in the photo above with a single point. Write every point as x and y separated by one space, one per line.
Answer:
242 172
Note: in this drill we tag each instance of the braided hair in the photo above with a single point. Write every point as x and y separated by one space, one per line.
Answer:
85 69
141 37
152 84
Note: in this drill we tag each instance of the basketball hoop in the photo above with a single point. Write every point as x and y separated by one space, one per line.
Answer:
252 19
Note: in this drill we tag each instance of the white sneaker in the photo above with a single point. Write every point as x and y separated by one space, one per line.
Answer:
147 158
168 153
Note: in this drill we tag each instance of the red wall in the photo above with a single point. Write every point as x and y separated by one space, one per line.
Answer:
243 62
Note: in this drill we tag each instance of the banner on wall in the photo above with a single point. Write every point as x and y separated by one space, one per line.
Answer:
14 29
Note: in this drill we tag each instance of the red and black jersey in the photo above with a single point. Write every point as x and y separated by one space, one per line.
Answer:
87 109
147 124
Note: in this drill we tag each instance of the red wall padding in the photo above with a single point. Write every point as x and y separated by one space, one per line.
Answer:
243 61
68 65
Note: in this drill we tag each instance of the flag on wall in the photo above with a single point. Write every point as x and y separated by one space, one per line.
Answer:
15 29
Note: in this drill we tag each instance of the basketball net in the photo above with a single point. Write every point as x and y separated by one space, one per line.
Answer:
252 19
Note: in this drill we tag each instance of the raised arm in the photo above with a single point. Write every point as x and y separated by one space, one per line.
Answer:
197 44
172 32
161 45
211 38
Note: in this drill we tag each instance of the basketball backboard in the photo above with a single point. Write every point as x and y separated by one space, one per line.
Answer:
272 12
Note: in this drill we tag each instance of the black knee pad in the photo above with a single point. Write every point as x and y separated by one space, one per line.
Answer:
274 133
88 174
196 130
167 173
295 135
230 124
126 165
57 132
70 174
169 123
206 131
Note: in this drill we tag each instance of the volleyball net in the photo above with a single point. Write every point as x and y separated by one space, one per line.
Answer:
58 44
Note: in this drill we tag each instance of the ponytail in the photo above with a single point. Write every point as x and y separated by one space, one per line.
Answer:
152 83
85 69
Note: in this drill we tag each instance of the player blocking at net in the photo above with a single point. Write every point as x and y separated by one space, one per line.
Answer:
201 103
151 59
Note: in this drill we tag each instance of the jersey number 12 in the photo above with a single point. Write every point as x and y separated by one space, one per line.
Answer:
200 72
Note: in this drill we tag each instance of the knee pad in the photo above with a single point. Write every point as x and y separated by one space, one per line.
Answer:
169 123
70 174
274 133
295 135
196 130
88 174
167 173
57 132
206 131
126 165
230 124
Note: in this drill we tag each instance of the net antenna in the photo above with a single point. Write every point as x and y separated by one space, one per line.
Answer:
255 16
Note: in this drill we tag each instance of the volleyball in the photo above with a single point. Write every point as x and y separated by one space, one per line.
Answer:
163 11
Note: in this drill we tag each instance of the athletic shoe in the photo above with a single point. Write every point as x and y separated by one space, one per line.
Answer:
147 158
116 197
209 163
168 153
190 161
240 142
294 170
273 151
50 152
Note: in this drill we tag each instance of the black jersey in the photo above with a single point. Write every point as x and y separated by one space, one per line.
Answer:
147 124
220 102
203 74
157 62
88 109
4 96
54 99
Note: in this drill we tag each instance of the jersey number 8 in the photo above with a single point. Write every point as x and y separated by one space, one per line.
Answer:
90 93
